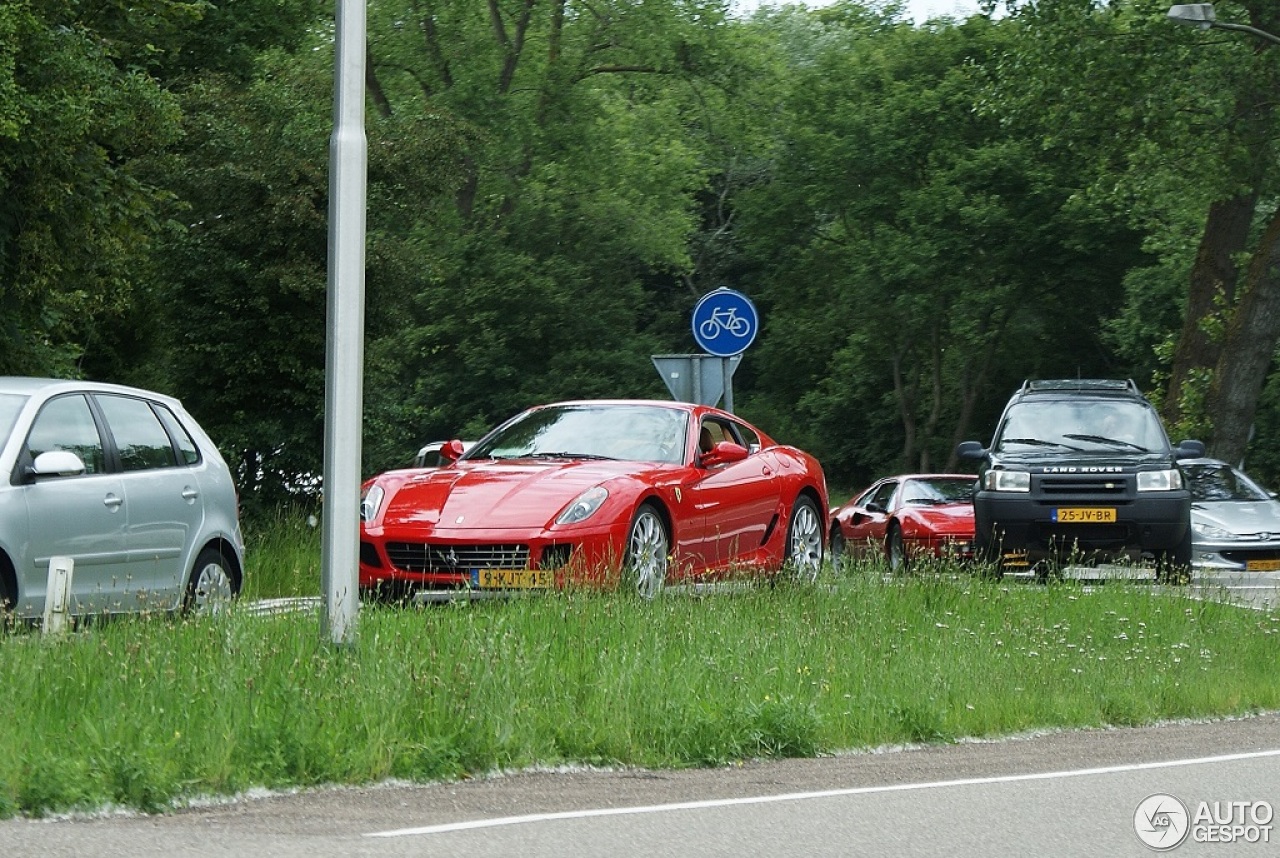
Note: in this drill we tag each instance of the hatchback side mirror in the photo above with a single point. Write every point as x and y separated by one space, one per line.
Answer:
54 463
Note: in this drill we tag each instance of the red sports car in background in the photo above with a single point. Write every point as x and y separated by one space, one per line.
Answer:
596 491
906 517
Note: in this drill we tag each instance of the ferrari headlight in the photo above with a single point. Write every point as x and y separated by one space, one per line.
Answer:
1006 481
583 506
370 502
1159 481
1209 531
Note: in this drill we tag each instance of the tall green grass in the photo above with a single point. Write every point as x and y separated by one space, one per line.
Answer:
148 712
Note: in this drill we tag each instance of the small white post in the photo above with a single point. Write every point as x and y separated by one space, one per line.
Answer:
58 596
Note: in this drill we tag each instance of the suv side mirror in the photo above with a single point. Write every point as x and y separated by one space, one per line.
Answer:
971 451
1189 450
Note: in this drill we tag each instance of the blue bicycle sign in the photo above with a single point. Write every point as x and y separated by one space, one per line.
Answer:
725 322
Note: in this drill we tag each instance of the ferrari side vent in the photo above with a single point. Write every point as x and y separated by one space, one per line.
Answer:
768 531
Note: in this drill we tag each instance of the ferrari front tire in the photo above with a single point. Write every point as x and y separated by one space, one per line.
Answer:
804 540
648 547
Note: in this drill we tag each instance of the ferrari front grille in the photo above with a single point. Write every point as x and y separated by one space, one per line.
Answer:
422 557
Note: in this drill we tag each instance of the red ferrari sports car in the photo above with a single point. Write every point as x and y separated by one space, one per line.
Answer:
905 517
595 491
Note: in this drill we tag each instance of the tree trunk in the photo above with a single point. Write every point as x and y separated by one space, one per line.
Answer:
1212 289
1248 351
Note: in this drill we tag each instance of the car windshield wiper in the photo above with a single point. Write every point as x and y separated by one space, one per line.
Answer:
541 454
1102 439
1036 442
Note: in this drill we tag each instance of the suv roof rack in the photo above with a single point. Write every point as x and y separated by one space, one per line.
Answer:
1082 384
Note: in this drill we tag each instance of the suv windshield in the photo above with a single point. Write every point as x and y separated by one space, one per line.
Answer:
1082 424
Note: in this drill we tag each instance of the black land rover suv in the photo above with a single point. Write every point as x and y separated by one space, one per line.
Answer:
1081 470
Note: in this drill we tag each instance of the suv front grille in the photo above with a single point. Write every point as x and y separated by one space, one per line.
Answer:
1096 485
420 557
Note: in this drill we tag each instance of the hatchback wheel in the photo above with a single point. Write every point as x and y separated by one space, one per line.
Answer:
212 586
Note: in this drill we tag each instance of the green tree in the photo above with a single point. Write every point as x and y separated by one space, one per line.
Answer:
76 218
918 256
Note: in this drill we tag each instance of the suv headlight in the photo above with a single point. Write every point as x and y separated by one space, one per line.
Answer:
583 506
1007 481
1159 481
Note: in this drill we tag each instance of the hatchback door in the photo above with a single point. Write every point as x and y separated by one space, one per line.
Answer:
163 498
81 516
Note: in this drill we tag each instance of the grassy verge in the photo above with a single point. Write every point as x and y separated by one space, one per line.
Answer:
146 712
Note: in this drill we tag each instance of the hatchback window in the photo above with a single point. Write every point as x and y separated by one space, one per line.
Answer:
140 438
187 448
66 423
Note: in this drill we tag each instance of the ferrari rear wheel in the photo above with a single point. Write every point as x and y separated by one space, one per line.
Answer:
804 540
897 551
648 546
836 545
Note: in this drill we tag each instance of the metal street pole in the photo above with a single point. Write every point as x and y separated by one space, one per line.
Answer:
1204 16
344 346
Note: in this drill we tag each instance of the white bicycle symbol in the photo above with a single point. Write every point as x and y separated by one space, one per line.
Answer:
724 320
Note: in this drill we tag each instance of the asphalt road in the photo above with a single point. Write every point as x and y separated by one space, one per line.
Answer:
1064 794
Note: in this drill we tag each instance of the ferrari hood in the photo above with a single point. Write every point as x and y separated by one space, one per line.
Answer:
946 518
493 494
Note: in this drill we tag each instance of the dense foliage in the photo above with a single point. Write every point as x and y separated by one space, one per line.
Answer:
924 215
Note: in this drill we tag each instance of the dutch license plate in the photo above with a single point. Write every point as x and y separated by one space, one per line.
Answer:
1084 514
1262 565
512 579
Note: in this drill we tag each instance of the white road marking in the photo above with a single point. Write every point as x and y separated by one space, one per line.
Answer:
804 796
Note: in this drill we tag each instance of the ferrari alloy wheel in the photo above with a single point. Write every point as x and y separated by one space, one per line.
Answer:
897 551
647 549
804 540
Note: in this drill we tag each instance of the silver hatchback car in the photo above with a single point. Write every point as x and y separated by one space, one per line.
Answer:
124 483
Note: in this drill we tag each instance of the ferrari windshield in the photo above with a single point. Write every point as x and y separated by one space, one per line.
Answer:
630 432
938 490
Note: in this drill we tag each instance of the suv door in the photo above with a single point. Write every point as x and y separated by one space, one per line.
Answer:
81 516
163 497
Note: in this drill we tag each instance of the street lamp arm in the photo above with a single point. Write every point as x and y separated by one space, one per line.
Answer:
1245 28
1203 16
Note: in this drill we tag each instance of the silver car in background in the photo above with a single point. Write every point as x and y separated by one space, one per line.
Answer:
1235 524
124 483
